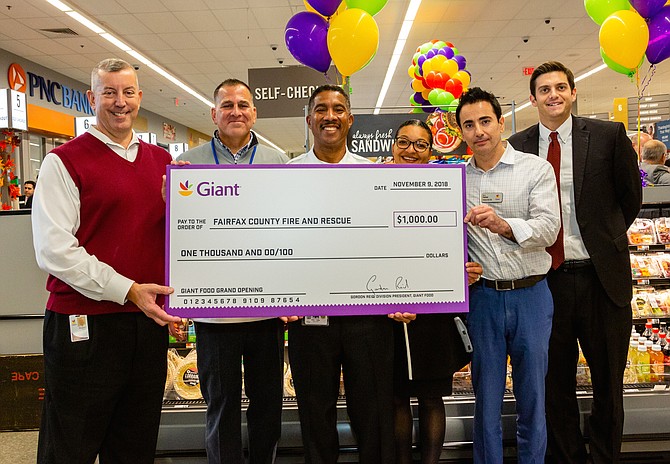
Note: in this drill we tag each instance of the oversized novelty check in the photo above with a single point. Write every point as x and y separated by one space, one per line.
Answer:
315 240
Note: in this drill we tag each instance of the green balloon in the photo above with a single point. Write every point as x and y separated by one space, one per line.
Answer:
453 105
425 47
599 10
445 98
439 44
371 6
434 95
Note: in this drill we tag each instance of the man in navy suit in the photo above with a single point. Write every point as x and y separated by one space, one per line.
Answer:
590 280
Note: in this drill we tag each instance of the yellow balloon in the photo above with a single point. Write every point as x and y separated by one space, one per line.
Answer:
448 67
410 71
426 67
353 38
623 37
417 85
340 9
463 77
437 61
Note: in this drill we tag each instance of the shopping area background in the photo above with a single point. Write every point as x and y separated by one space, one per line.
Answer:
510 41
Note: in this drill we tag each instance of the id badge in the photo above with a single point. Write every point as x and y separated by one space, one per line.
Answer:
492 197
315 321
78 328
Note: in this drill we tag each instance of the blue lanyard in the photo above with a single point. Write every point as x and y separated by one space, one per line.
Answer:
216 158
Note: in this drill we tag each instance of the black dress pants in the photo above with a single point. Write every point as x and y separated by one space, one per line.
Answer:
363 347
103 395
221 349
584 312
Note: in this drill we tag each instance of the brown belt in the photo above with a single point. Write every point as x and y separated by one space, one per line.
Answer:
501 285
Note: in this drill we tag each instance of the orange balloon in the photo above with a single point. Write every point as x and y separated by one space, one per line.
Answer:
417 85
463 77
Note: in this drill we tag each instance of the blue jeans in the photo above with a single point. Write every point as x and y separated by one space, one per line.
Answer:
515 323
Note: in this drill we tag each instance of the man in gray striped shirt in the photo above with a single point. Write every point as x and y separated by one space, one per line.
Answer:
513 215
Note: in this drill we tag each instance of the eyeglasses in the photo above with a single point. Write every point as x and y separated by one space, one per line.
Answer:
419 145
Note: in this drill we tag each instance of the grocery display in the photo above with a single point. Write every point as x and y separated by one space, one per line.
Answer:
649 244
186 383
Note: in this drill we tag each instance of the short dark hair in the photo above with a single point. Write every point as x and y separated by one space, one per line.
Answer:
328 88
551 66
231 83
417 123
474 95
30 182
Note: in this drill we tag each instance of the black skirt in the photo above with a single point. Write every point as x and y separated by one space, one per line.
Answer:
436 351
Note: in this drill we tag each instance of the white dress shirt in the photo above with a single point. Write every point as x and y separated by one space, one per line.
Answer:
521 188
55 218
310 158
572 237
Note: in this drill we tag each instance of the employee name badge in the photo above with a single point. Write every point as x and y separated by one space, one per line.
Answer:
492 197
78 328
318 321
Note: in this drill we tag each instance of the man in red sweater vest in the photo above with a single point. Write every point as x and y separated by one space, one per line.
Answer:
99 231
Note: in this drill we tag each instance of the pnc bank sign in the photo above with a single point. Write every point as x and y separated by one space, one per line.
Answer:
45 89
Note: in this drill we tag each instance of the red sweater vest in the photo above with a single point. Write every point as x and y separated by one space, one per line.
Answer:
122 218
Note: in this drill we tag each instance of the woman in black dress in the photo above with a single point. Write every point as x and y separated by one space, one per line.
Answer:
431 343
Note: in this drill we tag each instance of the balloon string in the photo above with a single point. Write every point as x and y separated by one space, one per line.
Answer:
639 98
647 78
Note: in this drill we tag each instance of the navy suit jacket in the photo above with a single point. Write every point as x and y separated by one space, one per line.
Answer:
608 196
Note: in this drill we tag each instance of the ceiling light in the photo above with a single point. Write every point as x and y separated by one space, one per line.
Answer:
115 41
135 54
407 23
60 5
86 22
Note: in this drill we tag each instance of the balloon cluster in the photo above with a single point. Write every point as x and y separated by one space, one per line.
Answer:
343 31
438 77
629 30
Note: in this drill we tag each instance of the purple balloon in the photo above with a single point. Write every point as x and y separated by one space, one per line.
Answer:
421 60
460 59
431 53
306 36
418 97
658 48
647 8
325 7
446 51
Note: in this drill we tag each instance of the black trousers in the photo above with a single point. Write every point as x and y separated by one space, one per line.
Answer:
584 312
103 395
221 349
363 347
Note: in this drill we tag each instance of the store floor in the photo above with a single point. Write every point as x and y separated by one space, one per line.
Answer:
21 448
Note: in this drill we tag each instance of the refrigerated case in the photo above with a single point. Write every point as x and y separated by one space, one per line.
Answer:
646 427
